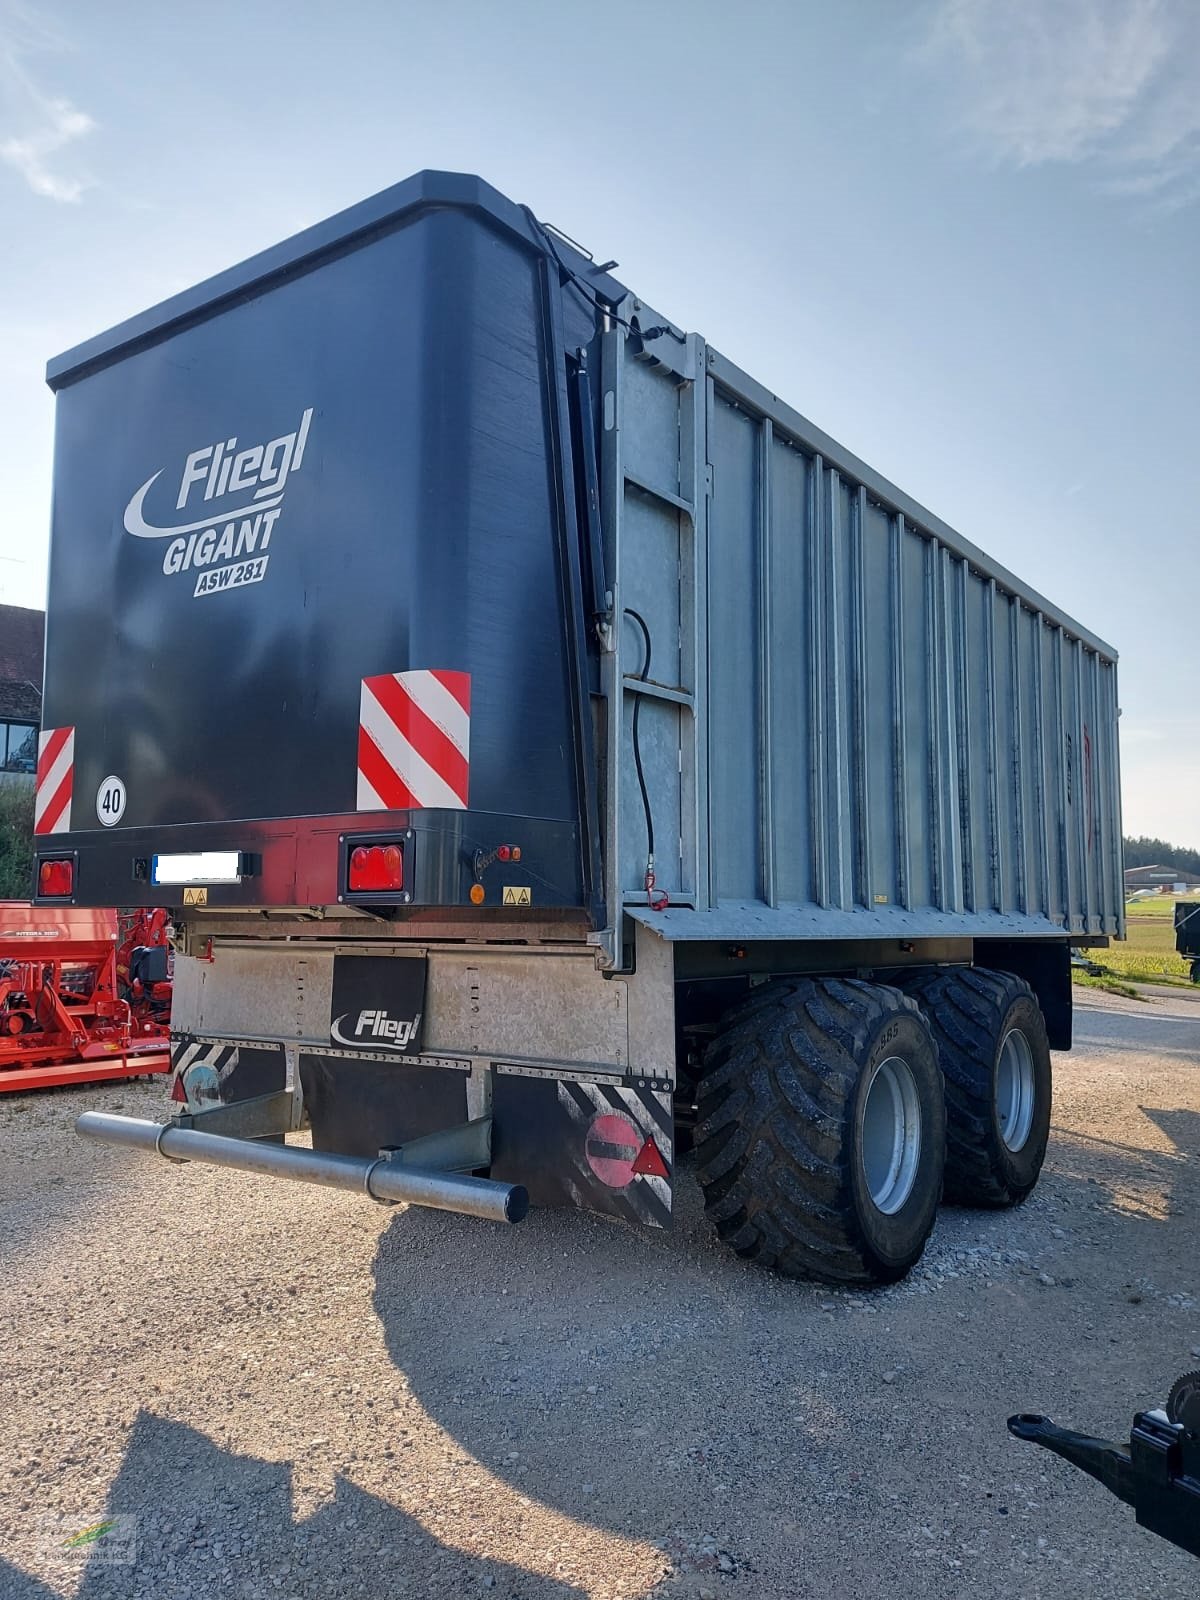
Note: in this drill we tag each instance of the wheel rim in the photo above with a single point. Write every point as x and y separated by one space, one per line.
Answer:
1015 1090
891 1134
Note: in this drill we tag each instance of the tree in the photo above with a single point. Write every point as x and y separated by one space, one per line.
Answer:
1144 852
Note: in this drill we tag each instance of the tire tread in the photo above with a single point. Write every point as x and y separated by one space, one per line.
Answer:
964 1007
771 1158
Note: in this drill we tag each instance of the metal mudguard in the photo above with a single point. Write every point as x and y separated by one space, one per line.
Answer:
391 1043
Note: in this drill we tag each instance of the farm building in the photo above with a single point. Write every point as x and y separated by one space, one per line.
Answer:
1164 879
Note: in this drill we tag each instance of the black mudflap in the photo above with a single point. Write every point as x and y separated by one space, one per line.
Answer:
598 1146
359 1108
220 1074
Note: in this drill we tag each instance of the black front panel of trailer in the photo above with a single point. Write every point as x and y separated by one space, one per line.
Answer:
355 471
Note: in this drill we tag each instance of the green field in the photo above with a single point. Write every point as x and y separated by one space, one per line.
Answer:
1148 954
1157 905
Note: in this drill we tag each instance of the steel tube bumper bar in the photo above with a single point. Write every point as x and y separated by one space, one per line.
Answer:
381 1179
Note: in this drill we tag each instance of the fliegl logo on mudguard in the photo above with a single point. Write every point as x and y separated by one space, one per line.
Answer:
374 1030
225 544
377 1003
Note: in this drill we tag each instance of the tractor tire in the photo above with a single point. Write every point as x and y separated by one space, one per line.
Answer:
995 1058
820 1135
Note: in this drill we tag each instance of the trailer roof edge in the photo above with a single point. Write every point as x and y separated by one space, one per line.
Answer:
432 189
423 191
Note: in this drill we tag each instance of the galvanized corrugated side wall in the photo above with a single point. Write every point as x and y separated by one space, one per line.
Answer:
856 722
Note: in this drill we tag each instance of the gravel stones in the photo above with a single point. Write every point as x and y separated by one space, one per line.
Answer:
295 1394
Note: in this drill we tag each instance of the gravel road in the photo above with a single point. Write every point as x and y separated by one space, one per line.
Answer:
283 1392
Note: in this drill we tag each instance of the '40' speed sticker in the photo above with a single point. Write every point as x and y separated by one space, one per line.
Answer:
110 801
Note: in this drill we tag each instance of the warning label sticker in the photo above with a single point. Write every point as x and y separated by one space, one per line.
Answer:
196 896
518 897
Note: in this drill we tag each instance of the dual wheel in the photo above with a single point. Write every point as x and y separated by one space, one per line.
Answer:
832 1114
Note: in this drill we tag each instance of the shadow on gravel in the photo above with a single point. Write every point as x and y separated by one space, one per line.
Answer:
18 1585
1181 1126
200 1510
654 1386
1082 1158
601 1369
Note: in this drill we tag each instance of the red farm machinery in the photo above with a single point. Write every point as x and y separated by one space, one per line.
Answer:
84 995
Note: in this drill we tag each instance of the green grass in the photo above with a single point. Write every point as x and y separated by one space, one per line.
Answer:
1148 954
1157 905
1110 985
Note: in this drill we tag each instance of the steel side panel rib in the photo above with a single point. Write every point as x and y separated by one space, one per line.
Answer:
919 650
817 442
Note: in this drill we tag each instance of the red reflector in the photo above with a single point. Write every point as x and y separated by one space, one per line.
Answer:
56 879
648 1163
178 1092
376 867
503 852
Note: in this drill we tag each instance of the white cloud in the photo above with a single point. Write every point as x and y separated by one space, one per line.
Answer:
1111 83
40 126
30 155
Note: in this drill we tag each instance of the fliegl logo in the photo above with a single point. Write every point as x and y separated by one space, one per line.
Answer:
229 545
375 1029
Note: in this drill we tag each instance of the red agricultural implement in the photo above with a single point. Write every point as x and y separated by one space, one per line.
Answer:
144 968
63 1017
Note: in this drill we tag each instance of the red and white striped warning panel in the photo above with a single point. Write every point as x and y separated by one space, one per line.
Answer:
55 780
414 735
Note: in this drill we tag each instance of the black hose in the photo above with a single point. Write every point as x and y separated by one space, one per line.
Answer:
637 747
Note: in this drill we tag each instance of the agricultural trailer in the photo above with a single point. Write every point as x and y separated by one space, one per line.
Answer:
1187 934
555 751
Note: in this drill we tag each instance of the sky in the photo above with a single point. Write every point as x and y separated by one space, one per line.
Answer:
962 236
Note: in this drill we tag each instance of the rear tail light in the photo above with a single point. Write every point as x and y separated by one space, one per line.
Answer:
56 879
376 868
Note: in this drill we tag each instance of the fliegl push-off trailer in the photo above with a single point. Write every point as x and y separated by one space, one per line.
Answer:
555 752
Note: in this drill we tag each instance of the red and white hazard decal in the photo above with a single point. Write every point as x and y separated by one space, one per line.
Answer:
414 733
55 780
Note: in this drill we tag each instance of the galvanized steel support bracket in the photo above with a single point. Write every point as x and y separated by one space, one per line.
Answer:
464 1148
259 1118
607 945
